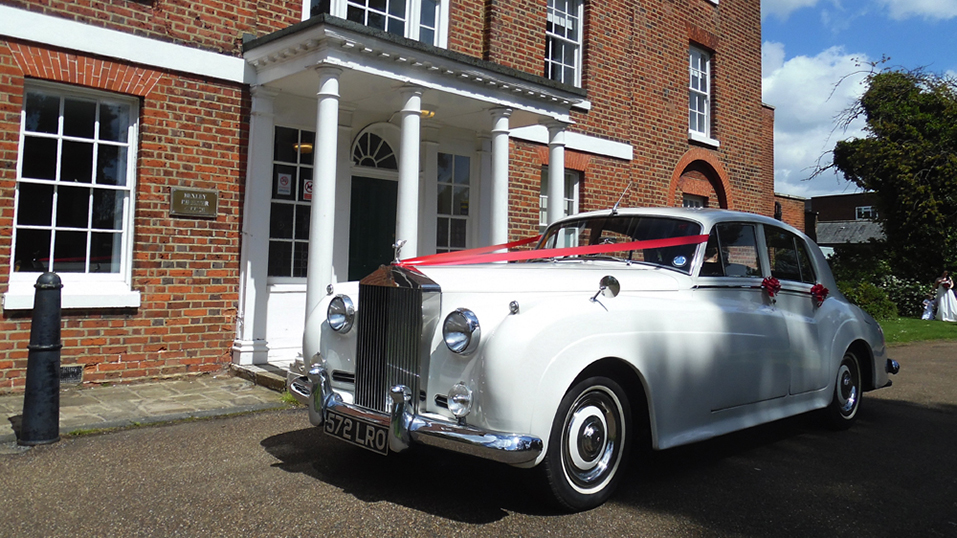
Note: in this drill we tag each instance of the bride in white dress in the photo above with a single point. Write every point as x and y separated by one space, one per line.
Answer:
946 301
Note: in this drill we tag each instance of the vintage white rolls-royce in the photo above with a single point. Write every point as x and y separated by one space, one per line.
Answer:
621 328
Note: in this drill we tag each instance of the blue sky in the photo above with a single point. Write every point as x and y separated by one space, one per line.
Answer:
810 45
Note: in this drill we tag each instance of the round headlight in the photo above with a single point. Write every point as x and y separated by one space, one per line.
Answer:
461 331
460 400
341 313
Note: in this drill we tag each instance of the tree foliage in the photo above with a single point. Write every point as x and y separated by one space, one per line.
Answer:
909 160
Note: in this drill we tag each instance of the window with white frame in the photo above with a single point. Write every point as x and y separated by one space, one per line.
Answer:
291 202
569 202
452 210
865 212
563 41
74 196
692 200
699 93
421 20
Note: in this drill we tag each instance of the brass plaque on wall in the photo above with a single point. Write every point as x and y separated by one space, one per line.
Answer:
193 202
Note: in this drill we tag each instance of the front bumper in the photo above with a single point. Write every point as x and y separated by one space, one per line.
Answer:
314 390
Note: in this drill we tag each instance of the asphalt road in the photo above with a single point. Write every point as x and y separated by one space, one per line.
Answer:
271 474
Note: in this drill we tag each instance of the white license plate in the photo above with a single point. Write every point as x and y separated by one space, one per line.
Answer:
358 432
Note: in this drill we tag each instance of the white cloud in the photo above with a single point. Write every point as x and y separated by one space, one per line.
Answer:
808 94
782 9
926 9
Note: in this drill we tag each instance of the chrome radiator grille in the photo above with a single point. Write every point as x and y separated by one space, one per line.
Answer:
393 324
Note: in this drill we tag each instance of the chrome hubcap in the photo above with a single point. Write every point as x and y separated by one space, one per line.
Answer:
591 439
847 390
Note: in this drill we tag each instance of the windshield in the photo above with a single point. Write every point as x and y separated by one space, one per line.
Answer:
626 229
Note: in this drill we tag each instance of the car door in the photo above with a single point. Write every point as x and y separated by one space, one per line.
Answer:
750 363
791 264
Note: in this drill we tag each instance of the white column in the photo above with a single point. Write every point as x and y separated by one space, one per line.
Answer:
407 210
430 161
484 150
323 212
250 344
556 171
499 187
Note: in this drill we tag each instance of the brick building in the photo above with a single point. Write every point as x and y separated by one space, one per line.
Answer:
199 172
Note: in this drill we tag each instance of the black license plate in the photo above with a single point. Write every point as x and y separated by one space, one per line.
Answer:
357 432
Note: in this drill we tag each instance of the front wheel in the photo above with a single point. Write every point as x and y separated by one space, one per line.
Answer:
842 411
590 433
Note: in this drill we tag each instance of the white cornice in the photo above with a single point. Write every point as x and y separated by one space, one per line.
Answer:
576 141
57 32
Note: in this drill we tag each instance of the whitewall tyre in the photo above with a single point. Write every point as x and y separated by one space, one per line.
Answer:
588 443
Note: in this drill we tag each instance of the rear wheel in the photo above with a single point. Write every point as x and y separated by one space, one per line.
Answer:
846 400
590 433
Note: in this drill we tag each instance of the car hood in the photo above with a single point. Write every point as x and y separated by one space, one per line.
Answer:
560 276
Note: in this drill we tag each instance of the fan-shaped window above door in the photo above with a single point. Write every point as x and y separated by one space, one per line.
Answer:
371 151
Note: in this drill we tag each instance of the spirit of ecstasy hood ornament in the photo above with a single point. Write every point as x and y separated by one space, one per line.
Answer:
398 246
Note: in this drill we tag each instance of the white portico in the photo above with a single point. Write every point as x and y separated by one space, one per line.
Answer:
359 138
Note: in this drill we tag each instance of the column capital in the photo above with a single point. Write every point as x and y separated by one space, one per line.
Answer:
554 124
263 98
328 70
500 112
259 91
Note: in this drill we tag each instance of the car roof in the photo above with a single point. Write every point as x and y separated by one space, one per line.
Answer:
705 216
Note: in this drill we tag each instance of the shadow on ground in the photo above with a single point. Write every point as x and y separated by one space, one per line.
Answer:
893 474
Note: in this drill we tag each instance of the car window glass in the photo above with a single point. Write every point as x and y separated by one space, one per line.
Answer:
625 229
782 254
804 259
731 251
788 256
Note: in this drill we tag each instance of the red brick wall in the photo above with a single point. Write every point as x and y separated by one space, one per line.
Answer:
792 210
467 28
210 24
841 206
636 77
192 135
516 34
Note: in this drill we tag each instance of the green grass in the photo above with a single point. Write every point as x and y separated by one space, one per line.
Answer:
904 330
288 399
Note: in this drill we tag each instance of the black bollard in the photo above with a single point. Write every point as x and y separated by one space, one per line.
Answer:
41 399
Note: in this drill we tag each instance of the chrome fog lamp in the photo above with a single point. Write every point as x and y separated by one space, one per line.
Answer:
460 400
461 331
341 313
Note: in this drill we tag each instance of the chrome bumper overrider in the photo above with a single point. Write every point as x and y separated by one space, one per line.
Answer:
314 390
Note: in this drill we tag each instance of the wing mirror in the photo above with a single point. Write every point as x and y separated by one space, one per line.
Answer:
608 286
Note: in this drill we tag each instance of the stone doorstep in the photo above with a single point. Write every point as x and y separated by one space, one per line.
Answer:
266 375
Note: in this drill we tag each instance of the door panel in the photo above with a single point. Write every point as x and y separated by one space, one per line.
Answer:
752 362
371 225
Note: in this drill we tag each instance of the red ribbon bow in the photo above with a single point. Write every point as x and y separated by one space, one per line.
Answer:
819 293
771 285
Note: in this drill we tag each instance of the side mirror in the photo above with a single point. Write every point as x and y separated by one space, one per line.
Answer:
608 286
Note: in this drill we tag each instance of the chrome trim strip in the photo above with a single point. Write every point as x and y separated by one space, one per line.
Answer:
405 427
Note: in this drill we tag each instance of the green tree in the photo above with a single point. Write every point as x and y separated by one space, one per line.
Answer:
909 160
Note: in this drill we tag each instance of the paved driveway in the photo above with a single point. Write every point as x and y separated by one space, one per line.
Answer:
270 474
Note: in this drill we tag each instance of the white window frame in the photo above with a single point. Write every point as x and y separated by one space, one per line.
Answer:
699 68
413 23
560 11
473 193
865 212
82 290
572 183
299 166
694 201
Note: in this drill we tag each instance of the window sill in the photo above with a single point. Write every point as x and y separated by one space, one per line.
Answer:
75 295
695 136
